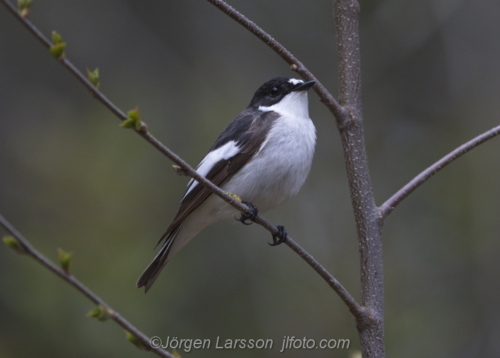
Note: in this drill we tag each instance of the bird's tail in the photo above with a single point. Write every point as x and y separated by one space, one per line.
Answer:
156 266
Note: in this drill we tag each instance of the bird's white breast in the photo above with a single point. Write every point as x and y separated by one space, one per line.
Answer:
283 162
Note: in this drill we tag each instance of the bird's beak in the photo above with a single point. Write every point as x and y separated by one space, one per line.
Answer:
304 86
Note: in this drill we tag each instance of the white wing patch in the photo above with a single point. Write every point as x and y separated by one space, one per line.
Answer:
295 81
228 150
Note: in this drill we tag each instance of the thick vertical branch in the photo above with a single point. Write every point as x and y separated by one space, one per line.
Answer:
368 219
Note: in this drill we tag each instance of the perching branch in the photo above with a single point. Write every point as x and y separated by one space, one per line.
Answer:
351 303
387 207
26 248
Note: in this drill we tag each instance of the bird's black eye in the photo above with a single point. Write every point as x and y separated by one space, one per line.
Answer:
275 91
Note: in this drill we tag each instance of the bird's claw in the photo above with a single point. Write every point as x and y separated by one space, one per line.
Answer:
252 216
280 237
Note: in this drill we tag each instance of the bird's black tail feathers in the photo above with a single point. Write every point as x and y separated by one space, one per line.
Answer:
156 266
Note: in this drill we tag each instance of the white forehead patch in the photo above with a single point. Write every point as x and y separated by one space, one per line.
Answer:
295 81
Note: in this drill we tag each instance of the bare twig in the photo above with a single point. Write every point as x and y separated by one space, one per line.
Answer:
338 111
351 303
28 249
358 311
368 221
387 207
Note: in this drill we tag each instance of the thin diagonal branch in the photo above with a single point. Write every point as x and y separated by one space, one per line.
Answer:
122 116
326 97
387 207
351 303
28 249
356 309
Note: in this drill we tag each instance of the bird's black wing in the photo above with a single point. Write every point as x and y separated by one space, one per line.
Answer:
248 131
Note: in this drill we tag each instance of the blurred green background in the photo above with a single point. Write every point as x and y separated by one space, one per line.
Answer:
70 178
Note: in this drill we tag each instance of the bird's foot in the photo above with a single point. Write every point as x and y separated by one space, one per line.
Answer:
252 216
280 237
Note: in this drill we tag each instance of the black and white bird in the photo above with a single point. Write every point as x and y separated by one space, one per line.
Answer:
263 156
